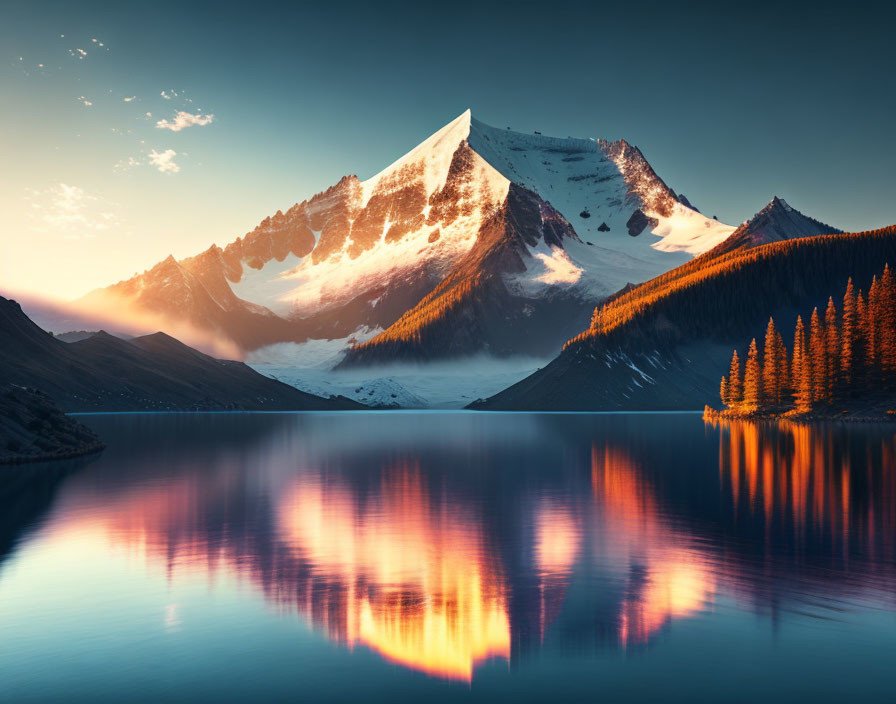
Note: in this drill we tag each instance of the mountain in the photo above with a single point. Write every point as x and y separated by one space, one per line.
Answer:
775 222
478 239
193 293
665 345
76 335
33 429
153 372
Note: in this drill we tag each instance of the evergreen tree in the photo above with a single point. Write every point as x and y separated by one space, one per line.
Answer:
870 328
752 380
735 385
885 316
774 366
832 350
723 391
848 336
783 369
818 356
801 370
862 360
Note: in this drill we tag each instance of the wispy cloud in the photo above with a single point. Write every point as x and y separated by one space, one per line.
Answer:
182 120
167 95
84 101
130 99
78 53
164 161
127 164
70 211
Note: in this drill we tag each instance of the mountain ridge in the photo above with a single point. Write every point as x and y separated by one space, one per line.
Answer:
775 222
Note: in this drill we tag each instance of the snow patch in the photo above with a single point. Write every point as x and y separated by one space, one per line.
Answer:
689 231
559 268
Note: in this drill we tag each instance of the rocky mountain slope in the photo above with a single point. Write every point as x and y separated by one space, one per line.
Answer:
153 372
514 236
666 344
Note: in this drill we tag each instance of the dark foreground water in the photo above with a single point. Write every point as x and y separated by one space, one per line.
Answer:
437 557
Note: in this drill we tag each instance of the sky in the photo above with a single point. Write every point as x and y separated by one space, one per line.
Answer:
131 131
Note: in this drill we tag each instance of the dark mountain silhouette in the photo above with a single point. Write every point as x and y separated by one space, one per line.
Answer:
76 335
153 372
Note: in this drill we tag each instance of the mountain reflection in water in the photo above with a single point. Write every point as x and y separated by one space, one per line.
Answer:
440 543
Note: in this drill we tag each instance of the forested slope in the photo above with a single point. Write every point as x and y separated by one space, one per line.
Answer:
666 343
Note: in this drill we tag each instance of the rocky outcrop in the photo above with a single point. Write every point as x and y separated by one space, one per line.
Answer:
682 198
643 182
638 222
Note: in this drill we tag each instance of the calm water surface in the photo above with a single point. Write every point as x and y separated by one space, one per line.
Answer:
456 556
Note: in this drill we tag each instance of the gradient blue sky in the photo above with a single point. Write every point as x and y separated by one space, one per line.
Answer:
730 105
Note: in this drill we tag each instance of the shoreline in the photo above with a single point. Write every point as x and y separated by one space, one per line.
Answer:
710 413
90 449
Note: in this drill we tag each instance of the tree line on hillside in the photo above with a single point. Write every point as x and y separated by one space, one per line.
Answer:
719 296
843 357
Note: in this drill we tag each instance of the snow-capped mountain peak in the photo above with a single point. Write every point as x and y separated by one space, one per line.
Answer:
547 215
432 157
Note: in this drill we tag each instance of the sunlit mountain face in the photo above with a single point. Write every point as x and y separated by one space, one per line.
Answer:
441 546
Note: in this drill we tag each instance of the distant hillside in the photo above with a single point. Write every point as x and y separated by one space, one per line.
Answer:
154 372
665 344
33 429
74 335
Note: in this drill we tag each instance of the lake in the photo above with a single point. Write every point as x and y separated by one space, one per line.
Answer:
402 556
